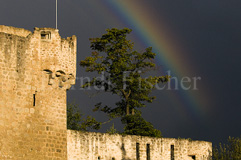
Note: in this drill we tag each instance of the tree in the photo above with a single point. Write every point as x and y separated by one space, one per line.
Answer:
229 151
112 130
75 120
123 69
136 125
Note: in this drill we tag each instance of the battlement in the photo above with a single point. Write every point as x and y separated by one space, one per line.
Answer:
36 69
43 50
14 31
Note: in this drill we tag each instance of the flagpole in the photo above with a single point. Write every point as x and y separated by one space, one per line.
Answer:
56 14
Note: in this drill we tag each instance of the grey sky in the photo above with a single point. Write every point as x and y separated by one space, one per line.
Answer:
210 32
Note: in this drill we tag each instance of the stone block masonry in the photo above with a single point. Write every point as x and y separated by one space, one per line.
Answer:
103 146
35 71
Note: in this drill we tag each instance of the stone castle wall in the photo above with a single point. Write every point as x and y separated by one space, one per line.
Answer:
35 71
102 146
14 31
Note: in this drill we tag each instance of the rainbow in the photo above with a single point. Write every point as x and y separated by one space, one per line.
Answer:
153 32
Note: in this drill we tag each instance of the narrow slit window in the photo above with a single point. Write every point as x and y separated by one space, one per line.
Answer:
148 156
98 158
172 152
137 151
34 99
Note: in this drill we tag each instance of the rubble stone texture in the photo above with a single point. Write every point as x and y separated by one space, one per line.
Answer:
36 69
91 146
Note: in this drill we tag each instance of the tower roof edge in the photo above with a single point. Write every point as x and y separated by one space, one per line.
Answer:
14 31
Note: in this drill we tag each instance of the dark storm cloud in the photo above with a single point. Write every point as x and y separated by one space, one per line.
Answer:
210 30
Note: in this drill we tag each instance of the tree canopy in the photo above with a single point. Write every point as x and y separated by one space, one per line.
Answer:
123 70
113 56
76 120
137 125
229 151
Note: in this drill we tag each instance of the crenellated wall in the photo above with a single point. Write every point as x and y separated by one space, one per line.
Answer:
103 146
35 71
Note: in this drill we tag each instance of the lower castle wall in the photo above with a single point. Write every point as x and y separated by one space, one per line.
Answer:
103 146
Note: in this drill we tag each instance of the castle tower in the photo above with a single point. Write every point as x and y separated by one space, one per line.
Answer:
36 69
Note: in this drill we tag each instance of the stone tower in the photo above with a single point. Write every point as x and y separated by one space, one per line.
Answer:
35 71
